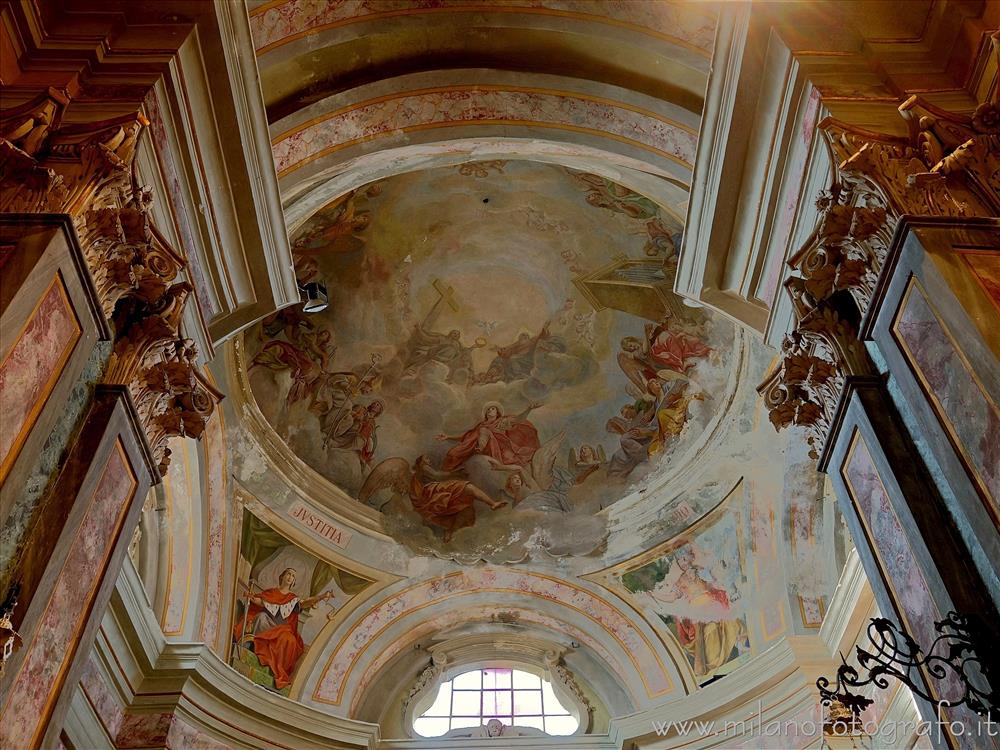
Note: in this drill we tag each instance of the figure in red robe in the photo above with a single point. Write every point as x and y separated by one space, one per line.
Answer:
449 503
666 348
509 440
675 349
271 627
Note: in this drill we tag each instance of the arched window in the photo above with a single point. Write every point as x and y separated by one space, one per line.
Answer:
514 696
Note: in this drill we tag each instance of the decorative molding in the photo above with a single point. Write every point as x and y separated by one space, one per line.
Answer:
949 165
563 681
852 602
430 678
88 172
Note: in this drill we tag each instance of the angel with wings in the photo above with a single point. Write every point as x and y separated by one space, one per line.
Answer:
542 485
666 352
336 229
444 501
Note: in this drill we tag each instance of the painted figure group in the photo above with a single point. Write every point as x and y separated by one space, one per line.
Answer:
656 366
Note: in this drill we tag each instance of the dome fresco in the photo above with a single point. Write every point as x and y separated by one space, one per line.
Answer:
389 370
502 357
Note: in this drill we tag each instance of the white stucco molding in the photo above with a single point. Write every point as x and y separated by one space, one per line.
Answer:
758 169
217 174
851 604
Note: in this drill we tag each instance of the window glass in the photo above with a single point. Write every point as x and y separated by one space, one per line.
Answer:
515 697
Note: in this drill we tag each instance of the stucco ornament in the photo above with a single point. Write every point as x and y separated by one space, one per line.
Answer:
949 165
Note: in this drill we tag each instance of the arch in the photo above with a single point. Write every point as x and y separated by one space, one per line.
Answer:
360 647
277 23
423 108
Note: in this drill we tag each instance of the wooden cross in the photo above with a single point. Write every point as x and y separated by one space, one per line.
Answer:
446 294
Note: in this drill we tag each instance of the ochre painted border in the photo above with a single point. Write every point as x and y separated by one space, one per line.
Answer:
320 28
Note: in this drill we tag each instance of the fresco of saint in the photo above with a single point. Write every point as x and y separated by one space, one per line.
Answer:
271 627
694 590
517 360
636 431
283 598
668 351
445 502
710 636
356 430
509 440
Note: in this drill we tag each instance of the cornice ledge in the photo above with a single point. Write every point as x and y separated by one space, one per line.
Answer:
770 679
576 742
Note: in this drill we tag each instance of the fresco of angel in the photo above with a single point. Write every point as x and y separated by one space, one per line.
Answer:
509 440
335 229
445 501
669 350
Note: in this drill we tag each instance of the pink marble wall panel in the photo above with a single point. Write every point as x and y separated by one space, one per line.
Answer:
646 659
493 105
276 23
30 699
966 411
128 730
904 579
143 731
892 548
107 708
214 444
32 366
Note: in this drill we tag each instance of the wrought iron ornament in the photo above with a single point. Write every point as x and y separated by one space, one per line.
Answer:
951 660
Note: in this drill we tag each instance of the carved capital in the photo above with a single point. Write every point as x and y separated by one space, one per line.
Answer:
88 171
159 367
948 166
